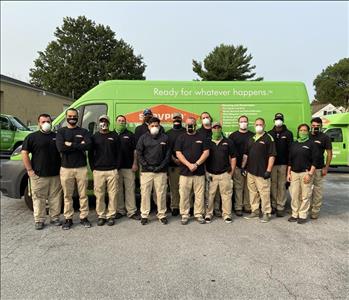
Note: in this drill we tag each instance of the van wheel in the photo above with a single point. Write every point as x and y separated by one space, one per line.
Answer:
28 199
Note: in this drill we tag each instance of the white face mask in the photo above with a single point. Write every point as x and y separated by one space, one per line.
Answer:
243 125
103 126
46 127
206 121
259 129
154 130
278 123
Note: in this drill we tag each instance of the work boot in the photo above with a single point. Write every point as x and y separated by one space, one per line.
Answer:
85 222
238 213
252 215
136 217
175 212
144 221
100 221
163 221
39 225
68 223
301 221
265 218
110 222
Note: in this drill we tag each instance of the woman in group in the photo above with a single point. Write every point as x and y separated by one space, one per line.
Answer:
300 172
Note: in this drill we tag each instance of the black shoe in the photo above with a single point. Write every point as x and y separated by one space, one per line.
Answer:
85 222
110 222
100 222
163 221
292 219
301 221
118 216
208 220
175 212
238 213
39 225
136 217
56 222
280 213
144 221
67 224
228 220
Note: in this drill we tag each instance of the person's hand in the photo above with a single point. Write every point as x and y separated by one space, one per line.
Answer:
177 162
192 167
324 171
243 172
306 179
31 173
289 178
267 175
68 143
134 168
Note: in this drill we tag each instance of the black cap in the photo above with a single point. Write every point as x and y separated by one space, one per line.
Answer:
279 116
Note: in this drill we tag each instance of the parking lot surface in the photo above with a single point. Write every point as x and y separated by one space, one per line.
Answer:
243 260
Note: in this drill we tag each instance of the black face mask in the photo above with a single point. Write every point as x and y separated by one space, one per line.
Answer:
177 125
72 121
191 128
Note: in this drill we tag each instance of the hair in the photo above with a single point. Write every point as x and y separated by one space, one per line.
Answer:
45 116
154 120
120 116
205 112
261 120
71 109
316 120
300 126
243 116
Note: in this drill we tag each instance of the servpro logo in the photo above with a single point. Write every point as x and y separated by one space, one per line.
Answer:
163 112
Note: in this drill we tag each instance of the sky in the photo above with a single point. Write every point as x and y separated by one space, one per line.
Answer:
289 41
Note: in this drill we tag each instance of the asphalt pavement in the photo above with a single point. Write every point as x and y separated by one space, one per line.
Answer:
243 260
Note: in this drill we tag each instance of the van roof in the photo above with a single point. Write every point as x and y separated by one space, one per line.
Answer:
336 119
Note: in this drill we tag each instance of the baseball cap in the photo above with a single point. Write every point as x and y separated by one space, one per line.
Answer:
214 124
147 111
177 115
279 116
105 117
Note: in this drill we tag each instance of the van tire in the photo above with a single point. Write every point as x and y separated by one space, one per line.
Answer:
28 199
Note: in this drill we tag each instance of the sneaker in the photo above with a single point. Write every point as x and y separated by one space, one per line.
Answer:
163 221
200 220
184 221
292 219
175 212
314 216
110 222
136 217
56 222
68 223
144 221
228 220
208 220
280 213
265 218
85 222
118 216
238 213
39 225
100 221
251 216
301 221
217 213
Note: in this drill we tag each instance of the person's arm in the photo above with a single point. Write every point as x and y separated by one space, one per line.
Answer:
85 144
271 161
232 165
135 163
91 158
289 173
165 161
63 145
183 160
140 149
27 163
328 161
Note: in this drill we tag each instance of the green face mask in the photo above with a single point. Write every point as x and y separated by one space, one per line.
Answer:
120 127
303 137
216 135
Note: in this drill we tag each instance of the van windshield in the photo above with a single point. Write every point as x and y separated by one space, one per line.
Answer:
19 125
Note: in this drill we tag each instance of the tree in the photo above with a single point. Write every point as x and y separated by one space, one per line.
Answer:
332 84
225 63
83 54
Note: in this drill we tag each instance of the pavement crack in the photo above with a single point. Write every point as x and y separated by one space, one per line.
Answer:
270 276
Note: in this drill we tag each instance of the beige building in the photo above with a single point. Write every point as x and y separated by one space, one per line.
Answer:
26 101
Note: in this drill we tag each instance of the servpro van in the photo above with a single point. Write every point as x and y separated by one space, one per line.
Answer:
337 128
225 101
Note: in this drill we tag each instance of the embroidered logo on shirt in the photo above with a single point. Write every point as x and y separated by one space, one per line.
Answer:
163 143
79 135
284 137
261 142
318 142
198 142
225 144
53 139
110 138
125 137
306 147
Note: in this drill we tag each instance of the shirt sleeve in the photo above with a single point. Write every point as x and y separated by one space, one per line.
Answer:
271 149
27 145
232 151
328 144
87 142
206 144
60 142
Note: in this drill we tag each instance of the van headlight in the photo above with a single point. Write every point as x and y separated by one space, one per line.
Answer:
17 151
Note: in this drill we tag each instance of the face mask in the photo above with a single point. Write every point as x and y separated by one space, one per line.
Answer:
259 129
191 128
177 125
278 123
120 127
303 137
72 121
243 125
315 130
46 127
103 125
154 130
216 135
206 121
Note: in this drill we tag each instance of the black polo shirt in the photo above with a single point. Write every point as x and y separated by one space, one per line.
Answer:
207 133
322 142
258 152
283 140
45 160
219 160
302 156
192 147
128 146
240 140
173 134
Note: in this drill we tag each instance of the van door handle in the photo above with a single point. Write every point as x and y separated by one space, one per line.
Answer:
343 145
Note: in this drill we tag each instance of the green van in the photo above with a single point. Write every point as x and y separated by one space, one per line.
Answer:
337 128
225 101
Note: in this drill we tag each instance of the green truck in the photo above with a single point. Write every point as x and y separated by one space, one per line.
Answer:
337 128
225 101
13 133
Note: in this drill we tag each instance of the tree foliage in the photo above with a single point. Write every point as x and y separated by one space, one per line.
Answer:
226 63
82 54
332 84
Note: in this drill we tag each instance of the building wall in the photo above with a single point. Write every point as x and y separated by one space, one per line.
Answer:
26 103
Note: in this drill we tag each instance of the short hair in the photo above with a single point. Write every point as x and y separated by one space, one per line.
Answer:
71 109
261 120
120 116
303 125
205 112
243 116
316 120
154 120
45 116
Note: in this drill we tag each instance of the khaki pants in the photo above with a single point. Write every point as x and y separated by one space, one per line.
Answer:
278 187
242 199
223 183
105 181
159 180
173 179
300 195
316 198
259 189
126 195
186 184
68 178
42 189
217 198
